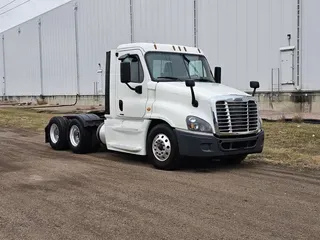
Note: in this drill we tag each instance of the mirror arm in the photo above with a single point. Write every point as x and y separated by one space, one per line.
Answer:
195 103
130 87
137 89
254 92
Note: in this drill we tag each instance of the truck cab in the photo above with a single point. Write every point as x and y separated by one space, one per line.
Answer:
165 102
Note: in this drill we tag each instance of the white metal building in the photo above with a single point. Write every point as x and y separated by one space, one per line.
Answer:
60 52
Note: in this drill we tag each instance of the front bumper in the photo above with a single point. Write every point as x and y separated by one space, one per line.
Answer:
196 145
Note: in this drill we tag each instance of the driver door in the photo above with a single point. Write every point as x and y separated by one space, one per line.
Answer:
129 103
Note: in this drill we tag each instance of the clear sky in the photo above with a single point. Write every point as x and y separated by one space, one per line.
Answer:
13 14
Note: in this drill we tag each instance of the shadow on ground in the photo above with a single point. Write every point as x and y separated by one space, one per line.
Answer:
187 164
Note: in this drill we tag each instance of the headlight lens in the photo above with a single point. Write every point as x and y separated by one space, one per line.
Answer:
198 125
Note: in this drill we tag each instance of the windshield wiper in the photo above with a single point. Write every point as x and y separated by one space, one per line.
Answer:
173 78
202 80
188 61
169 79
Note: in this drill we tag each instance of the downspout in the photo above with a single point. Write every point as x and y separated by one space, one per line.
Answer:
4 71
41 59
131 21
195 23
299 45
77 46
77 95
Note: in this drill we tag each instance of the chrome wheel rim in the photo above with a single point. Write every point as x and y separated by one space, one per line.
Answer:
161 147
54 133
74 135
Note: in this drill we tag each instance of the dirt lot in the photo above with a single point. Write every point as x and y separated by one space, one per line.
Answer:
59 195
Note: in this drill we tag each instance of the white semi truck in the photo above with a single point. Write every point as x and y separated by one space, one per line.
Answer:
163 101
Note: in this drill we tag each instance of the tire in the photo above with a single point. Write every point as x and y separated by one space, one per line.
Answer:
58 133
165 160
95 142
81 140
235 160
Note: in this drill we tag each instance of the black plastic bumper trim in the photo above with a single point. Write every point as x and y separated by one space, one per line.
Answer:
197 145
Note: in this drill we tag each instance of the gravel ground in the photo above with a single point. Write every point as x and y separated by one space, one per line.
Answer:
59 195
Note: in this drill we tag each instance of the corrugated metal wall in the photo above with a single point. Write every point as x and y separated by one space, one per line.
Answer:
59 51
243 37
102 26
22 56
164 21
310 45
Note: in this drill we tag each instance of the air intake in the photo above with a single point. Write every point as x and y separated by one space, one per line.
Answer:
237 116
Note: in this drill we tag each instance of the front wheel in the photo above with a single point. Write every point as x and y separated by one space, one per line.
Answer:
162 148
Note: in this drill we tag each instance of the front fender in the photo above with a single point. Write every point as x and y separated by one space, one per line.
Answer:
175 113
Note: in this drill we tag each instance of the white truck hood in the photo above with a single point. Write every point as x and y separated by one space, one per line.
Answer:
202 90
173 101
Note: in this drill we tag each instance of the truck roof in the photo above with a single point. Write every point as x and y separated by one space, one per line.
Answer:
146 47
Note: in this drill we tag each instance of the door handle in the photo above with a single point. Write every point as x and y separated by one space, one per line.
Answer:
121 105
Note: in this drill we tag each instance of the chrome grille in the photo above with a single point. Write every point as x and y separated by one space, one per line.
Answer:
237 117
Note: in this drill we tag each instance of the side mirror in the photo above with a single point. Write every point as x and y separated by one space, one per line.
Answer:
125 71
190 83
217 74
254 85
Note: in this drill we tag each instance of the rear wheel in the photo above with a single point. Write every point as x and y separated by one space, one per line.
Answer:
58 129
81 140
162 148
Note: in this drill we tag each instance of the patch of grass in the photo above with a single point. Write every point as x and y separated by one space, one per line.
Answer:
24 119
297 119
291 144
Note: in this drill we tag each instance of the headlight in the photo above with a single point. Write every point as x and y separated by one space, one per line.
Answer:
198 125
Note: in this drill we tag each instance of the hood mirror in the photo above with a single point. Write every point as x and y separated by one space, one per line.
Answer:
254 85
217 74
191 83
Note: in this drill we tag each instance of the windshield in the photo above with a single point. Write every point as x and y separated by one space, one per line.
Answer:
178 67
